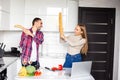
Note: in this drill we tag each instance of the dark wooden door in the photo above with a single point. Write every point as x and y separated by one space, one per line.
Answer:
100 25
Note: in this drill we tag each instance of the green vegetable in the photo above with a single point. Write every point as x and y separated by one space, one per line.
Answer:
32 74
30 69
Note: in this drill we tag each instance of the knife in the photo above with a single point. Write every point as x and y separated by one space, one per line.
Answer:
4 47
48 68
1 45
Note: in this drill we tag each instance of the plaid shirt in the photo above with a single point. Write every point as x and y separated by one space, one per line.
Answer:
26 44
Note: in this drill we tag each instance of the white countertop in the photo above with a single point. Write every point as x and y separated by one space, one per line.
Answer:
54 75
7 61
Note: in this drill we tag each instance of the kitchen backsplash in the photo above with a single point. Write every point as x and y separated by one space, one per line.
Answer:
10 38
50 47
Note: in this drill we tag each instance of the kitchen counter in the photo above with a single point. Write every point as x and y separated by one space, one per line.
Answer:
55 75
6 62
50 75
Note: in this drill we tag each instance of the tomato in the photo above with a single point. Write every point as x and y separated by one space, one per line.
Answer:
60 67
54 68
37 73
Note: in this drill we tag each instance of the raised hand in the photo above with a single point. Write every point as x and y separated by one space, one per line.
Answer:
26 31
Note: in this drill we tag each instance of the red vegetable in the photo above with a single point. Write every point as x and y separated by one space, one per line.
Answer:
37 73
60 67
54 68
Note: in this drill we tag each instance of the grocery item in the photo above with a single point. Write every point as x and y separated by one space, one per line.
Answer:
23 71
30 70
60 67
37 73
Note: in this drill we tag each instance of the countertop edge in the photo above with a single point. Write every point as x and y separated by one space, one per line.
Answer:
8 61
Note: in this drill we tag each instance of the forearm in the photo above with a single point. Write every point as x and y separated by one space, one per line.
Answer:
25 30
75 43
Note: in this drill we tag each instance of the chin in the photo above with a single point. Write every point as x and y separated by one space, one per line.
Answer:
38 29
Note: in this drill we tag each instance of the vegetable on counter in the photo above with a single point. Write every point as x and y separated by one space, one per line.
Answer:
30 69
60 67
54 68
22 72
37 73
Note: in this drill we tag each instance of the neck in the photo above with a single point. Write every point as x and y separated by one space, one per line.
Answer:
77 34
34 29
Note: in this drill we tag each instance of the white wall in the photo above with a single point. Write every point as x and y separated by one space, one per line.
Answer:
10 38
109 4
1 37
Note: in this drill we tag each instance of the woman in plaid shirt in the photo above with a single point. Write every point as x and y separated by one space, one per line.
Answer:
30 41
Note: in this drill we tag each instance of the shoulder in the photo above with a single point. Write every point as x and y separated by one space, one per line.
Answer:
83 40
39 32
23 34
69 36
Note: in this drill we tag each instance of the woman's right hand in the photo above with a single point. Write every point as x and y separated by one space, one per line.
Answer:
62 37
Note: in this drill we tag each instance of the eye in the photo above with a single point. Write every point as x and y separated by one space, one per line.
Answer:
76 29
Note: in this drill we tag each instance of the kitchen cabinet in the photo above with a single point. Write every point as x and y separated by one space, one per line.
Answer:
4 14
4 20
16 13
5 5
48 11
24 11
0 4
72 19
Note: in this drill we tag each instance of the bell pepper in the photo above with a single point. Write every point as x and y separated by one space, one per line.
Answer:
37 73
54 68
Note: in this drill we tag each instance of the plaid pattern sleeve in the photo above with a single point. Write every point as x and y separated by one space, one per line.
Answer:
22 39
39 38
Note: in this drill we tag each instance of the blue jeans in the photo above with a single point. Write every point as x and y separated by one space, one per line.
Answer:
70 59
